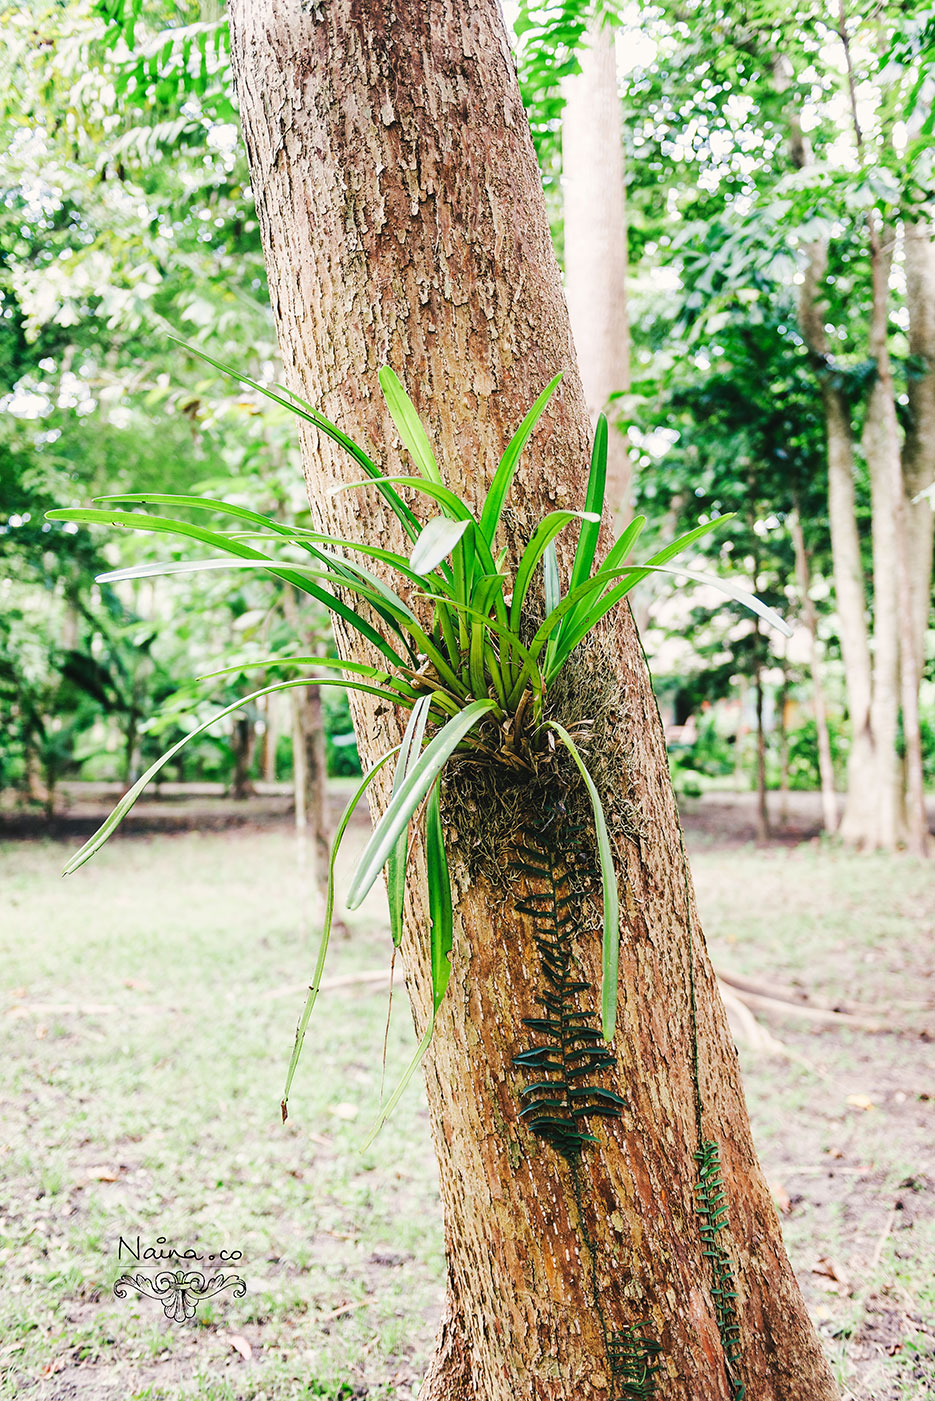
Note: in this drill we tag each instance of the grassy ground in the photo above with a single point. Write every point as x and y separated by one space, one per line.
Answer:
149 1012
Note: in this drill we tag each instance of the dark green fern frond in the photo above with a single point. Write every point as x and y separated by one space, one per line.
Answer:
571 1052
712 1207
632 1355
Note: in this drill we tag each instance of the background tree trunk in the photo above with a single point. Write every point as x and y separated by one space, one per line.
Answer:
594 204
243 741
829 803
309 779
403 220
919 447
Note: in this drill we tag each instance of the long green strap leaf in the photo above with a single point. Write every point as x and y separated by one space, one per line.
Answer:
593 505
503 477
617 556
311 415
162 525
409 425
442 918
315 985
438 539
94 843
409 751
441 913
544 533
404 803
743 596
593 615
610 951
306 539
397 1094
381 678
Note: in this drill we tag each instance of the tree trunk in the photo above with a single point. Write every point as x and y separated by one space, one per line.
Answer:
782 703
919 445
829 805
859 822
762 805
244 742
860 818
896 673
309 760
309 779
596 241
403 220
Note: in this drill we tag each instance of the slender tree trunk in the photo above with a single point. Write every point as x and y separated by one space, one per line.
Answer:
896 672
763 831
596 241
860 818
829 805
244 743
309 777
403 220
919 445
309 761
270 738
859 822
782 703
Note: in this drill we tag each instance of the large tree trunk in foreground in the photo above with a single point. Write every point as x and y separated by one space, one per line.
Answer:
403 220
594 203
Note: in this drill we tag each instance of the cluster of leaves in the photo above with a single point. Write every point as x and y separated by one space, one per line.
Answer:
459 664
633 1362
712 1209
571 1052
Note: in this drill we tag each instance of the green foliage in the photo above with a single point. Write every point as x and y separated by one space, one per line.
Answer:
459 665
570 1052
712 1210
633 1364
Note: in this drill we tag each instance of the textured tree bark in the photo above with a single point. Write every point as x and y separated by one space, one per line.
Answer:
596 241
403 220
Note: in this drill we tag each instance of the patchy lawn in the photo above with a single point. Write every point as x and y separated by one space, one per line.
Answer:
149 1009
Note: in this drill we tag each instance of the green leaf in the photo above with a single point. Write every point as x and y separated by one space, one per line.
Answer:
409 425
136 520
404 803
436 543
744 596
617 555
553 589
409 752
610 952
315 985
397 1094
94 843
503 477
297 405
583 625
593 505
544 533
440 910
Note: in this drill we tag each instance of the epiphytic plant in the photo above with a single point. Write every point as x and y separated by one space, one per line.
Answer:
457 653
475 654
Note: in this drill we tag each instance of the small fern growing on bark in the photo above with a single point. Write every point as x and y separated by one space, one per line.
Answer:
570 1052
633 1363
712 1208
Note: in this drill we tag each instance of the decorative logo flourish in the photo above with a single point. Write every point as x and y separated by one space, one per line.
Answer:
178 1292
